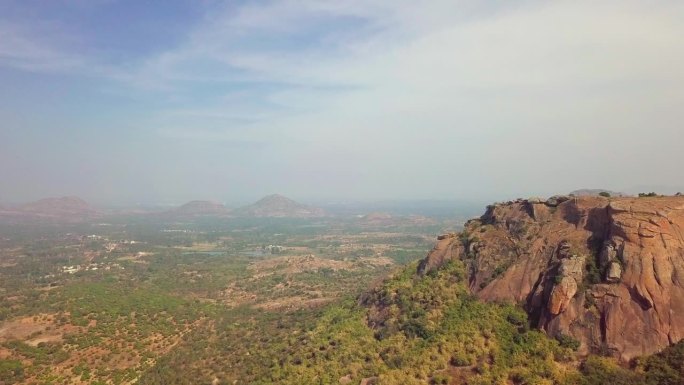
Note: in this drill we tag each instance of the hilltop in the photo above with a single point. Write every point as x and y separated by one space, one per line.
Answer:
596 192
60 208
200 208
278 206
608 273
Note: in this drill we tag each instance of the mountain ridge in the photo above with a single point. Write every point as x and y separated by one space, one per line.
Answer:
69 208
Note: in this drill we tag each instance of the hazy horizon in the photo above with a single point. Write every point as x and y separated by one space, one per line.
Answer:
129 102
346 204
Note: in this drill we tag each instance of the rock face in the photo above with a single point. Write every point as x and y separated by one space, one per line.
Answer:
561 295
609 272
568 279
278 206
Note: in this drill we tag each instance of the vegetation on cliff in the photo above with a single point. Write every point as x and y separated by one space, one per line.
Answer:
430 330
417 330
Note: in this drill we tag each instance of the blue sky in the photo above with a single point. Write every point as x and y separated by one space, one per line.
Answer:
135 101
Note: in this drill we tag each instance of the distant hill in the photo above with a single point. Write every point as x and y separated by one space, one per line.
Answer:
596 192
377 216
278 206
61 208
61 205
200 208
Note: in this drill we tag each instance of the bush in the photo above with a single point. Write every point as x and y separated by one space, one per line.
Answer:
666 367
568 341
11 371
593 275
499 270
460 360
557 279
602 370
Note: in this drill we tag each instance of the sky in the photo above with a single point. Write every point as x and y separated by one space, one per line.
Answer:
168 101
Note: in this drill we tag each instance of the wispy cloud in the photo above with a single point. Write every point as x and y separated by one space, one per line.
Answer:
21 48
498 86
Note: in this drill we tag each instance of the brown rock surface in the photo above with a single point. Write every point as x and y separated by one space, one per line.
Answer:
609 272
561 295
614 272
447 248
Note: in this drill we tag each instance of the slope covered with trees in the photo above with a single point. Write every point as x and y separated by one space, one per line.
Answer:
429 330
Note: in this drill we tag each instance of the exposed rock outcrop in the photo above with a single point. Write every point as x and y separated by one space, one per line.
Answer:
609 272
447 248
614 272
561 295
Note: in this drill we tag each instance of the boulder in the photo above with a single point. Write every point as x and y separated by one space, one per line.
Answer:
561 294
555 200
614 272
572 267
607 255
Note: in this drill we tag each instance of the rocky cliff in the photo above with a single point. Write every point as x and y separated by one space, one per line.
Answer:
608 272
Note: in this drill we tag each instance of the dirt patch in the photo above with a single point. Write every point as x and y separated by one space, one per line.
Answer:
36 329
5 353
115 352
8 264
136 258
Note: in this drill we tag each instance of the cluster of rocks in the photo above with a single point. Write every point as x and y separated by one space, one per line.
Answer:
567 280
553 201
571 273
610 262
